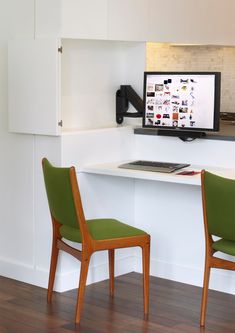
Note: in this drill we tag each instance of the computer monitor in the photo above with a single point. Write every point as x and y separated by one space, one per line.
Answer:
182 101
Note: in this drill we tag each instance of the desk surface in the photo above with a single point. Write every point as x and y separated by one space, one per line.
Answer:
111 169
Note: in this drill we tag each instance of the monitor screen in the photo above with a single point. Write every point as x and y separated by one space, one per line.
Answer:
182 100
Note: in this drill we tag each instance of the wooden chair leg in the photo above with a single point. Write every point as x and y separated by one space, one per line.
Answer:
81 289
53 265
205 293
146 265
111 272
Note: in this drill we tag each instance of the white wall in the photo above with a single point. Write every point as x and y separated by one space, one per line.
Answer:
25 230
16 18
16 168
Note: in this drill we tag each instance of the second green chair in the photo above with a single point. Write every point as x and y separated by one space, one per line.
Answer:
218 196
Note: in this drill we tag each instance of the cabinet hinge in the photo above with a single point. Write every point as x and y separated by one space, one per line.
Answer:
60 49
60 123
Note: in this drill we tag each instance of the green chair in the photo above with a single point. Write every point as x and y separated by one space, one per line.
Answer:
218 198
69 223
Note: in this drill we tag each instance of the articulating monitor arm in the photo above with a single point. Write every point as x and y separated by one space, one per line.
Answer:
124 95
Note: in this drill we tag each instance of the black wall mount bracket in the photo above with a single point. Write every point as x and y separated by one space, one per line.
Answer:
124 95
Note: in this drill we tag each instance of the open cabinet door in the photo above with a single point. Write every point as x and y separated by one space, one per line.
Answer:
34 86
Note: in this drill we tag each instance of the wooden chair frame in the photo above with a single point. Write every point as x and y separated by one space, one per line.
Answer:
89 246
210 260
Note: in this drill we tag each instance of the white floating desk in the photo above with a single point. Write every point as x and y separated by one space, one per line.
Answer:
112 169
168 206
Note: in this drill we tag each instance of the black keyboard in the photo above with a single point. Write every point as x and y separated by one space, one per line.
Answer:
154 166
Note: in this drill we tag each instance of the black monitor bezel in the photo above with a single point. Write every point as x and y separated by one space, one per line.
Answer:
217 90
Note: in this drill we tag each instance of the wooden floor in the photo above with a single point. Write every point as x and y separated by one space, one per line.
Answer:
174 308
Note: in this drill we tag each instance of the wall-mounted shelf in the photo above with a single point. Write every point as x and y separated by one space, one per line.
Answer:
226 133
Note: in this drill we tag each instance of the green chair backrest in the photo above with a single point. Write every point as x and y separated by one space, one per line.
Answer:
220 205
59 194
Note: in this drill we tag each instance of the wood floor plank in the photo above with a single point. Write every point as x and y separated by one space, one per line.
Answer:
174 308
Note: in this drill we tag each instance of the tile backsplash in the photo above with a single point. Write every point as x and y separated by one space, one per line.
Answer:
166 57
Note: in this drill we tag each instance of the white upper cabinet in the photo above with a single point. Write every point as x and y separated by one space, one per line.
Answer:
128 20
96 19
77 87
221 22
34 86
71 18
178 21
192 21
84 19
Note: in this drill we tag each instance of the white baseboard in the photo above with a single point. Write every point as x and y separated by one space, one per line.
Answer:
220 280
23 272
64 281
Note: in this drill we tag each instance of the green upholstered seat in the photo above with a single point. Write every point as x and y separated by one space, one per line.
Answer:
225 246
101 229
